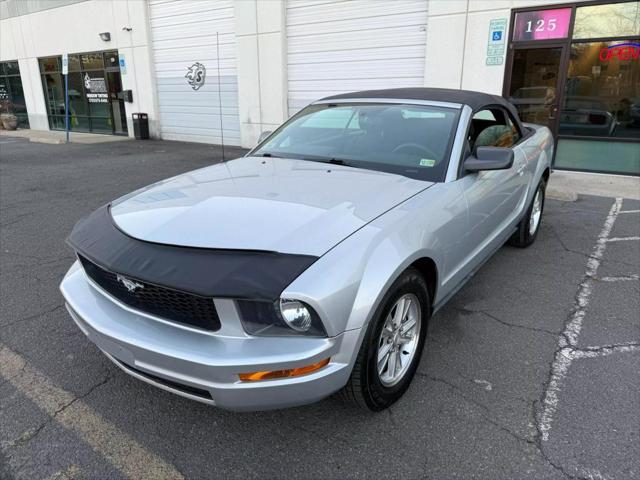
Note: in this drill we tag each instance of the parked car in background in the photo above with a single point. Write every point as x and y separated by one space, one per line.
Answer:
586 116
314 263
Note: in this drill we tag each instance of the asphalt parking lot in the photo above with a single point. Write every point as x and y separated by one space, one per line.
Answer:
532 371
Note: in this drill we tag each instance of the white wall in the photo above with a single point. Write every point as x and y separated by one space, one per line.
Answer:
74 29
457 35
261 63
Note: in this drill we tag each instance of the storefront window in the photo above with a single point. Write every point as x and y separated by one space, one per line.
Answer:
51 64
576 69
92 78
612 20
11 93
74 63
602 93
92 61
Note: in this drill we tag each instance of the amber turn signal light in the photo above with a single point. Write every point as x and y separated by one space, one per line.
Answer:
292 372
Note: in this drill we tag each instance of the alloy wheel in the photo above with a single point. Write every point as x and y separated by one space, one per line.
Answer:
398 340
536 213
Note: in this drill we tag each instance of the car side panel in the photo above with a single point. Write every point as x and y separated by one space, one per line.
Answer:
538 149
496 201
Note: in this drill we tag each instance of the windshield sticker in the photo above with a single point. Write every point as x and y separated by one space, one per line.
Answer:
427 162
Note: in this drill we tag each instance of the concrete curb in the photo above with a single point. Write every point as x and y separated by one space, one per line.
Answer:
50 141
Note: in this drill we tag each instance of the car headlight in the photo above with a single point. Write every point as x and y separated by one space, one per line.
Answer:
283 317
295 314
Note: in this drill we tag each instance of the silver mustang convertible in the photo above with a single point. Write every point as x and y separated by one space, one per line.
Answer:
313 264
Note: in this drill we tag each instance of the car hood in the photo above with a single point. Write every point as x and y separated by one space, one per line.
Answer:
255 203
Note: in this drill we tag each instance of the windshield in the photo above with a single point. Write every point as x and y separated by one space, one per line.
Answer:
410 140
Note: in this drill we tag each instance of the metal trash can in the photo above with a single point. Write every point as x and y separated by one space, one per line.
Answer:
141 126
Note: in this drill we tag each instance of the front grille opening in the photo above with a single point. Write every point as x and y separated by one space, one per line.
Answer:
173 305
198 392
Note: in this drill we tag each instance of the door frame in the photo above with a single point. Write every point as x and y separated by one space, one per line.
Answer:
561 78
117 70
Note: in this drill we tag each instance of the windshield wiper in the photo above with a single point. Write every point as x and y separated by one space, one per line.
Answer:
337 161
332 160
269 155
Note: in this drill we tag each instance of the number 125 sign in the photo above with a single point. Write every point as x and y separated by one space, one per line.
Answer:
542 24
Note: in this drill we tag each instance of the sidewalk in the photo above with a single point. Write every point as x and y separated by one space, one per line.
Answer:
57 137
565 185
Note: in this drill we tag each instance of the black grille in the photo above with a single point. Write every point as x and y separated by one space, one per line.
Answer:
181 307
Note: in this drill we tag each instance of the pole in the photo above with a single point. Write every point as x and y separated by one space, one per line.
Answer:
220 94
66 104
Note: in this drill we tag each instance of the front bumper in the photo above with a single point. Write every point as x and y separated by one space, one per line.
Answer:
204 366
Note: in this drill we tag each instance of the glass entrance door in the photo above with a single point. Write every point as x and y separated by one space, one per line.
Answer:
117 105
534 86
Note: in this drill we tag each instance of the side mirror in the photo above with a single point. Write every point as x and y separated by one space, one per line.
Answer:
489 158
263 136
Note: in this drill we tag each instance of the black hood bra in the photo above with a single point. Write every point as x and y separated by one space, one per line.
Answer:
242 274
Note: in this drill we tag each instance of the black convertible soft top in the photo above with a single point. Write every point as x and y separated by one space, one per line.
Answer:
475 100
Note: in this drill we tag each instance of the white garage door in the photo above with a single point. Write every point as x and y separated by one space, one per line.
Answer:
185 58
341 46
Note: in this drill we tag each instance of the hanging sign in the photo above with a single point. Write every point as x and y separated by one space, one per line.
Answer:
497 41
542 24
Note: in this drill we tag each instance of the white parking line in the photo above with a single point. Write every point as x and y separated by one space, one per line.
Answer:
592 352
629 211
627 278
122 451
568 339
622 239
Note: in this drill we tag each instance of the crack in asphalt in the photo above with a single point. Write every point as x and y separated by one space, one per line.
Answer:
529 441
564 246
31 434
34 316
504 322
588 256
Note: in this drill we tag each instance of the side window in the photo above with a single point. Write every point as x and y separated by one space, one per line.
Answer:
492 127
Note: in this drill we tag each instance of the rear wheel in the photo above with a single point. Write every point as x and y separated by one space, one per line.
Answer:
530 225
391 350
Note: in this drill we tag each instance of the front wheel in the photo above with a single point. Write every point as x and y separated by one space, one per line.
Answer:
391 349
530 225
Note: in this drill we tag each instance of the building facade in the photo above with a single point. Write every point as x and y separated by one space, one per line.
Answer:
225 70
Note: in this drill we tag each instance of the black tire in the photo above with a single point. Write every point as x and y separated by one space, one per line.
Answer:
523 237
365 388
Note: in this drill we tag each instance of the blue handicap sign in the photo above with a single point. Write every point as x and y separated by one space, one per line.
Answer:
497 36
122 61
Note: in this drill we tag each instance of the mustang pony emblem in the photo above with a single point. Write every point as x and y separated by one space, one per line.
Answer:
196 74
129 284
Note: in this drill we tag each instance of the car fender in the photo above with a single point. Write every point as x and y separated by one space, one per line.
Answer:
346 284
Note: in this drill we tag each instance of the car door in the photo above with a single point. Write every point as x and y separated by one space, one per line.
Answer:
494 198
